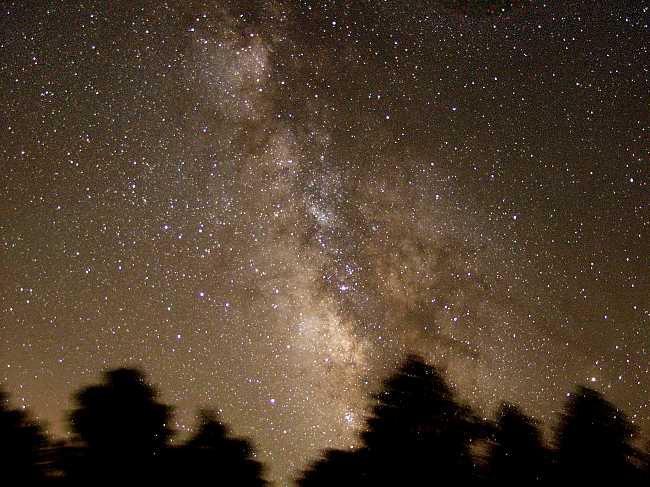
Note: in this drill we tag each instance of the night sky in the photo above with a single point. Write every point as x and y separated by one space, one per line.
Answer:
266 205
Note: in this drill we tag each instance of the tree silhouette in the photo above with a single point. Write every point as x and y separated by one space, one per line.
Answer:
22 447
517 455
594 441
417 432
337 467
644 461
121 430
214 454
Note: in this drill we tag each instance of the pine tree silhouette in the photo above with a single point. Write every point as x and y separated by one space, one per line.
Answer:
121 430
22 447
418 430
213 455
517 456
594 441
337 467
417 433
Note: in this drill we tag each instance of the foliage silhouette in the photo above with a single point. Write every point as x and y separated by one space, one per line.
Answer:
121 430
644 463
417 432
213 454
517 455
594 441
337 467
22 447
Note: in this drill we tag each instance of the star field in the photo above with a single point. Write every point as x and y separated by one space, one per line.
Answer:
266 205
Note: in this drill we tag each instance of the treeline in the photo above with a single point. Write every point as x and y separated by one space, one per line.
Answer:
121 437
417 434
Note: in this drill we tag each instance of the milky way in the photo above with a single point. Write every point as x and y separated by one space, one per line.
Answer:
266 206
